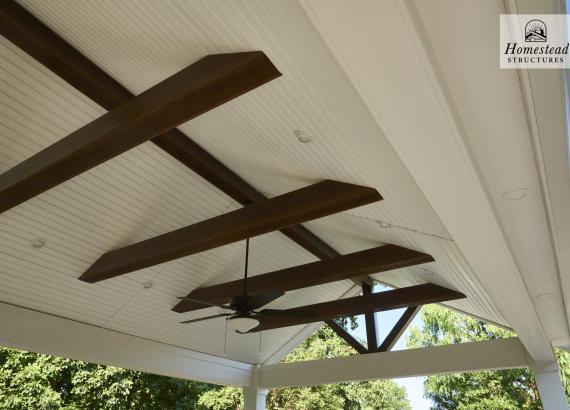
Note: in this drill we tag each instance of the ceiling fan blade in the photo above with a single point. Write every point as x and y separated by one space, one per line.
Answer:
203 302
206 318
288 313
261 299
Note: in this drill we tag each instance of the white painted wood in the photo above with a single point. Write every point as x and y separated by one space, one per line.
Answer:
464 357
503 145
33 331
550 388
432 145
546 100
254 398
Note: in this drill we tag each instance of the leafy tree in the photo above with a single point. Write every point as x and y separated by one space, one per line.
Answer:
323 344
505 389
36 381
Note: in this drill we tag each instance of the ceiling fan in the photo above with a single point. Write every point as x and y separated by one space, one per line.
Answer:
245 317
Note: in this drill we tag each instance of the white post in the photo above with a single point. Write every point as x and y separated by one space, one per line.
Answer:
550 386
254 398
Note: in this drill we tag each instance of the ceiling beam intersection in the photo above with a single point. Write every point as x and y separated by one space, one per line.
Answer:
36 39
370 321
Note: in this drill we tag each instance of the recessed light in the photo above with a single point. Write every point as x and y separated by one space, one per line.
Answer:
515 194
147 284
545 295
302 137
38 243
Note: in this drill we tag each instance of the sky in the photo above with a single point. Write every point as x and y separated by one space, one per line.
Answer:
385 321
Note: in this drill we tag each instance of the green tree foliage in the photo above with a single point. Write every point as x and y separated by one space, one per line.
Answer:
513 389
36 381
323 344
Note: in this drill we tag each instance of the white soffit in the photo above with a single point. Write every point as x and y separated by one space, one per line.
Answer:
401 83
144 192
490 104
545 98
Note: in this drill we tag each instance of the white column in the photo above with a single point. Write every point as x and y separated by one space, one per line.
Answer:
254 398
550 386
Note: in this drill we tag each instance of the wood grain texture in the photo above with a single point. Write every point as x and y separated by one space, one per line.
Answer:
359 305
204 85
315 201
369 261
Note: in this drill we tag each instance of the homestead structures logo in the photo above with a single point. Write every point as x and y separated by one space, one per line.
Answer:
535 31
529 41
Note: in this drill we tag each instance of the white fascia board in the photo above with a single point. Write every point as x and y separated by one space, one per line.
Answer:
381 49
457 358
546 104
30 330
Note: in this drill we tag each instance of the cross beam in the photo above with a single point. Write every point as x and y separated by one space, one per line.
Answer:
204 85
456 358
352 265
315 201
358 305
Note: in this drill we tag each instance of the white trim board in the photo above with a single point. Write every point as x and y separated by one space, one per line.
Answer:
39 332
464 357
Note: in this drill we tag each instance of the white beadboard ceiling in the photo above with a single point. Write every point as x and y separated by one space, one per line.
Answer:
144 192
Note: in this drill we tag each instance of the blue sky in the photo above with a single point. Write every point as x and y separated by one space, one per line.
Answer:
385 321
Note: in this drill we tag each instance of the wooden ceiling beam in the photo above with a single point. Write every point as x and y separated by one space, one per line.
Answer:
370 322
204 85
380 259
399 328
315 201
360 305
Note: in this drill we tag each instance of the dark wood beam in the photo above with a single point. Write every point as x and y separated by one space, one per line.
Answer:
342 267
399 328
359 305
347 337
39 41
204 85
315 201
370 321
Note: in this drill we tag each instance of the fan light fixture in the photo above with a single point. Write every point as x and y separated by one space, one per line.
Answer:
242 324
